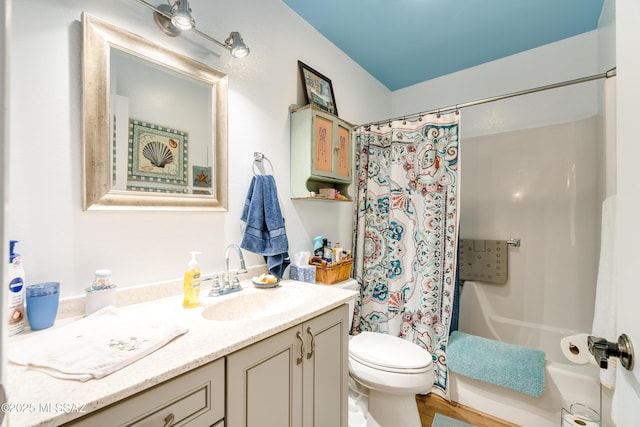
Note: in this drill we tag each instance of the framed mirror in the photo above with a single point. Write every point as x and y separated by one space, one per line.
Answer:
154 125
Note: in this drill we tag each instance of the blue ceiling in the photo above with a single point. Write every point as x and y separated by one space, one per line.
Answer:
403 42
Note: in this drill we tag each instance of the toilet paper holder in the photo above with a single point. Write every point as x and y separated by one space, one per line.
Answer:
602 350
580 415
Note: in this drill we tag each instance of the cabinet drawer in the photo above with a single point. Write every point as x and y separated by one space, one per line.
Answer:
195 398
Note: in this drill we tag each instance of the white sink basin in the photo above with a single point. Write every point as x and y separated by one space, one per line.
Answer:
251 304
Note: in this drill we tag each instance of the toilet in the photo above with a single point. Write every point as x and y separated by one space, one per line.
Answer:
388 372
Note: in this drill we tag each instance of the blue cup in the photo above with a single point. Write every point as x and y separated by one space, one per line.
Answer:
42 304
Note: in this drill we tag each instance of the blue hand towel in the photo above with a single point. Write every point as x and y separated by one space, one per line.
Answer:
265 233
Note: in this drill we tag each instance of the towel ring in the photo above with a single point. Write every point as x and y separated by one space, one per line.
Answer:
258 161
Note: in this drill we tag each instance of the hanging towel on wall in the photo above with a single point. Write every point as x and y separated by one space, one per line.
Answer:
604 315
264 233
483 260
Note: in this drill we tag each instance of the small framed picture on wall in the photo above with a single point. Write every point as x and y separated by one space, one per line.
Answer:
317 89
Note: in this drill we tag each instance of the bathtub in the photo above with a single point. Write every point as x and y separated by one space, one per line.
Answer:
565 383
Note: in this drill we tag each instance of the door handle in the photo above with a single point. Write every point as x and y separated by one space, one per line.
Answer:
168 420
602 350
313 343
299 359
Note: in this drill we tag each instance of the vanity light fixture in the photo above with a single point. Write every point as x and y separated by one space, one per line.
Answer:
175 18
236 45
181 16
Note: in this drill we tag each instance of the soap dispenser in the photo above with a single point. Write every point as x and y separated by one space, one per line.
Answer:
192 282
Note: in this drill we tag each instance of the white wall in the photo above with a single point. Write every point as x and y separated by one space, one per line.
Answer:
607 92
61 242
607 36
556 62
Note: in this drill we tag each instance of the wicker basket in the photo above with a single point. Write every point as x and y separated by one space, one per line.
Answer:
331 273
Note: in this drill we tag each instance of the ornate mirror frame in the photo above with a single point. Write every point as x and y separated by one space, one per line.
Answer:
99 38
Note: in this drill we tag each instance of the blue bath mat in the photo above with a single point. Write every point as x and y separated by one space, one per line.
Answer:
507 365
440 420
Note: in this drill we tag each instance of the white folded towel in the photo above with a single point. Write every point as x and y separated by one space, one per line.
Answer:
95 346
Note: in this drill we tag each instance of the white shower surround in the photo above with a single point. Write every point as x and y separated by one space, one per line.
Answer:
545 186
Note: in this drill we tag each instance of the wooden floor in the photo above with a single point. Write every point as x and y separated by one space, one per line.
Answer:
430 404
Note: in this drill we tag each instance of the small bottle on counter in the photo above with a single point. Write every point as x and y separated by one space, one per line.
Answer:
328 253
318 246
337 252
101 279
16 291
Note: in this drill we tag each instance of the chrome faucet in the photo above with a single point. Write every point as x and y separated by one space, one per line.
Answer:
241 270
226 287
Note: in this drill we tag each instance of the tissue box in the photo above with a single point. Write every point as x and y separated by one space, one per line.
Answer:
303 273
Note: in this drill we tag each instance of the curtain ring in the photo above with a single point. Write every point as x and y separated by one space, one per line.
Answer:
420 117
438 115
404 120
457 110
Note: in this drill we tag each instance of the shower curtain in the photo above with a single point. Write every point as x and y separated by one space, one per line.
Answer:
406 231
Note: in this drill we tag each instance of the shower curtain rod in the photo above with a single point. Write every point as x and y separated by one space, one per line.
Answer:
605 75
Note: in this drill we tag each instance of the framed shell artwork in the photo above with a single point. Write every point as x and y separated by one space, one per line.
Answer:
157 153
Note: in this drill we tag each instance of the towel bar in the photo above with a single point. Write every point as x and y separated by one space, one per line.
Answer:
258 159
514 242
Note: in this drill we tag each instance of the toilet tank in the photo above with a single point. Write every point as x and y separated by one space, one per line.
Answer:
352 285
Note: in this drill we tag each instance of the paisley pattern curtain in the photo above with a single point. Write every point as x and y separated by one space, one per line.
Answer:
406 232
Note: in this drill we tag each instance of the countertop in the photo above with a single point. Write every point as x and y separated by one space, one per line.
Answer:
31 392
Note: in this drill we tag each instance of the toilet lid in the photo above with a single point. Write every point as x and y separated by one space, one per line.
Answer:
389 353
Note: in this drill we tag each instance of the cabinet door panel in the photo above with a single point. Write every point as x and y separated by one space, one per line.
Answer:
264 383
326 369
323 160
344 152
268 392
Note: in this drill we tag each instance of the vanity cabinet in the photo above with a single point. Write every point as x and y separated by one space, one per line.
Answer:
321 152
296 378
194 399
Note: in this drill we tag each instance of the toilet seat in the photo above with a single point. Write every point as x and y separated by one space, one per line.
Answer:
392 383
389 353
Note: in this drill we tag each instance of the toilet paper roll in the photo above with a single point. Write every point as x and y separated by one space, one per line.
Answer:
576 349
570 420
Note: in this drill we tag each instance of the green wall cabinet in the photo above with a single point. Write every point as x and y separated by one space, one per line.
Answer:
321 153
